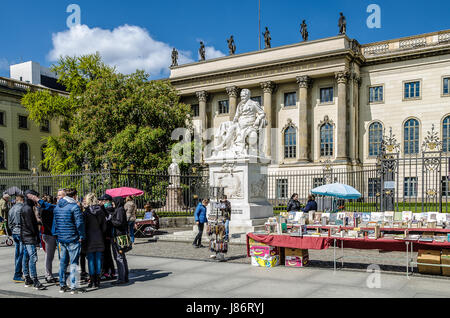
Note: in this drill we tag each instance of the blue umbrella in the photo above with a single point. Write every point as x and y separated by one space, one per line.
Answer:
337 190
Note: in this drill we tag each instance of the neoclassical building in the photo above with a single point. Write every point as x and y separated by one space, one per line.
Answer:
330 99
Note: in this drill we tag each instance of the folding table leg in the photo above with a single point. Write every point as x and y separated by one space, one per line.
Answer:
342 259
407 259
334 254
412 258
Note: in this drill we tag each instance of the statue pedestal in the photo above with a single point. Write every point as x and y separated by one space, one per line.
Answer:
174 199
245 183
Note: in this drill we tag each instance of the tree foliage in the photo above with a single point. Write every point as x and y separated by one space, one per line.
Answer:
126 119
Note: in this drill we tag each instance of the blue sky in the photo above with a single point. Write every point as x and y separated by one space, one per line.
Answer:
154 27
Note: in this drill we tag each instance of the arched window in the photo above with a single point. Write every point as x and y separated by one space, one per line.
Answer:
326 140
24 156
290 143
411 137
2 155
446 134
375 138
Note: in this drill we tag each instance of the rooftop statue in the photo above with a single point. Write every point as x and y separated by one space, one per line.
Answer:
202 52
231 45
174 57
342 24
304 30
267 39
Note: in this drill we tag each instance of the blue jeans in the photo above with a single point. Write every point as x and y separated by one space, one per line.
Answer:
18 256
131 230
29 261
95 263
70 254
227 228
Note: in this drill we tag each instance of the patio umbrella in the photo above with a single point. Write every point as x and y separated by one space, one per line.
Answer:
337 190
124 192
13 191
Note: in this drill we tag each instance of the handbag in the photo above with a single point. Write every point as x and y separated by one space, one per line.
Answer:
123 243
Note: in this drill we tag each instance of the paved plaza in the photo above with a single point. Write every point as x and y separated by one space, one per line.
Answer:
168 277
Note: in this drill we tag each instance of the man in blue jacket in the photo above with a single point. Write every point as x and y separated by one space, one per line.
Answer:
68 227
200 220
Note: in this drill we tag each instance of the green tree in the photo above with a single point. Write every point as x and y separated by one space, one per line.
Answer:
126 118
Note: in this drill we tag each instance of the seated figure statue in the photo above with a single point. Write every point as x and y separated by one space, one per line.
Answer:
240 137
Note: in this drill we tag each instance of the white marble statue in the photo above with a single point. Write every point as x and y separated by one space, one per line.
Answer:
240 137
174 174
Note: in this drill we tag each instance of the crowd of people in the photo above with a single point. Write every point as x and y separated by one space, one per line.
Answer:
95 229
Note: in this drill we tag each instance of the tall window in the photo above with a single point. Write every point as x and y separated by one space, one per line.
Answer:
290 99
446 186
326 95
375 138
446 88
195 110
412 90
376 94
326 140
24 156
44 167
446 134
23 122
224 107
2 119
410 187
282 189
2 155
411 137
257 99
290 143
317 182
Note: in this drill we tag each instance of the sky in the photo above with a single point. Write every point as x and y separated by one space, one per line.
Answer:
140 34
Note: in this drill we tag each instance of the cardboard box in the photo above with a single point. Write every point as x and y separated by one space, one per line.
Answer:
269 262
445 260
264 251
296 261
430 257
252 242
295 252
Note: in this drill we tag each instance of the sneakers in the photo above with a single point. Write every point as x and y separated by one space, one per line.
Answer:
51 280
37 285
19 280
77 291
28 281
63 289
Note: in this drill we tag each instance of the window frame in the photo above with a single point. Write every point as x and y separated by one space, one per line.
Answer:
442 86
45 131
3 114
368 138
284 99
404 138
18 122
5 167
282 184
28 157
198 110
416 183
219 106
332 143
448 133
320 95
293 147
420 90
368 94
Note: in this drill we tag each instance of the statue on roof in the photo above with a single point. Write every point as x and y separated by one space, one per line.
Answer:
231 45
267 39
304 30
202 52
174 57
342 24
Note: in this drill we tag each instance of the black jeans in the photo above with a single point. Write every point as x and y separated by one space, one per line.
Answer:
198 238
122 264
108 264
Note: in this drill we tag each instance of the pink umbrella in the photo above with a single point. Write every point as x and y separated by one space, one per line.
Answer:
124 192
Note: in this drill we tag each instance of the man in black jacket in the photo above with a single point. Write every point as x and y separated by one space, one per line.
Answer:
120 227
29 234
108 269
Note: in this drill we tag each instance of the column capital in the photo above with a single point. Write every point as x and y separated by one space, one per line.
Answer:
342 77
304 81
202 96
233 91
268 87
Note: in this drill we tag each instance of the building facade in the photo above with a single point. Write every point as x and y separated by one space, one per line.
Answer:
21 140
329 99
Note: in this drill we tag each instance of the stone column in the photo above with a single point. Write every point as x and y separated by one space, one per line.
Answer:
268 88
341 142
202 99
233 93
304 83
354 146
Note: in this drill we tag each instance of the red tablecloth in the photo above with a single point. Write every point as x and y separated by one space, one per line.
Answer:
321 243
306 243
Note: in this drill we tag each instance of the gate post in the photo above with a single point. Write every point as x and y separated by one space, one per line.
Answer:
388 161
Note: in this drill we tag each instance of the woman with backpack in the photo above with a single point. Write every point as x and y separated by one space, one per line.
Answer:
95 223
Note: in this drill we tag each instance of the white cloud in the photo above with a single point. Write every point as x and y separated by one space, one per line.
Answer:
127 47
212 53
